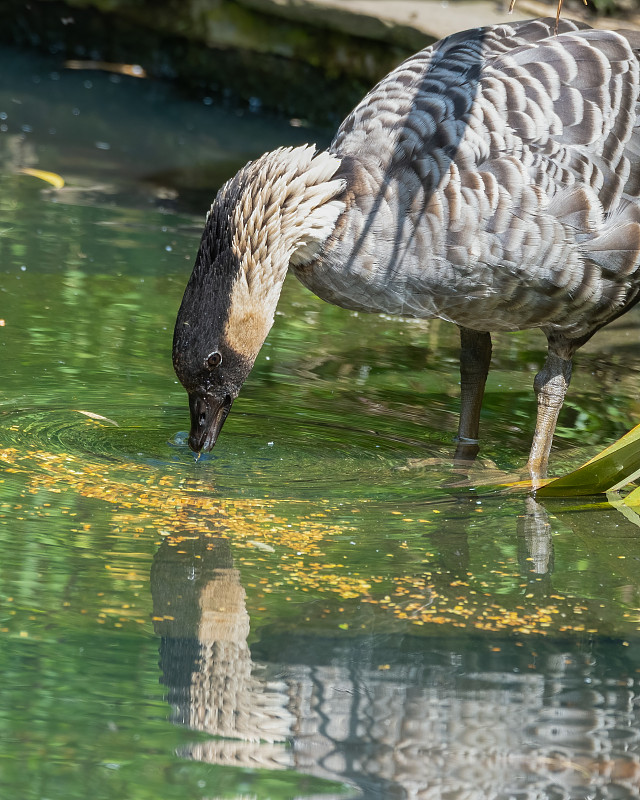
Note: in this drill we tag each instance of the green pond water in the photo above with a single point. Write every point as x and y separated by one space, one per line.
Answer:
324 606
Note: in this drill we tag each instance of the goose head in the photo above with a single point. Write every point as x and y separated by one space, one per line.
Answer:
277 210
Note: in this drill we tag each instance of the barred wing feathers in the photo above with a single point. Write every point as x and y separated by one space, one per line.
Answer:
500 166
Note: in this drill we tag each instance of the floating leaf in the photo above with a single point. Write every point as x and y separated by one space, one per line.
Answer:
98 417
614 467
50 177
133 70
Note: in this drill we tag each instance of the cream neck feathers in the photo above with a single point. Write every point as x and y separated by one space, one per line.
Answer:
287 210
281 209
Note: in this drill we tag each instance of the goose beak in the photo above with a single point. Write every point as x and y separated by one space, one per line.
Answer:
208 414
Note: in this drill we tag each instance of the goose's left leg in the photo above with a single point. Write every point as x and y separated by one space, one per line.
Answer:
550 386
475 357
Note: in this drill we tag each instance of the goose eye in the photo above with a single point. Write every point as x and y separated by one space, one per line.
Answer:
214 360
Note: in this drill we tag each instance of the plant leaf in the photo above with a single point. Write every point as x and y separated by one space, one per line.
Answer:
633 498
611 469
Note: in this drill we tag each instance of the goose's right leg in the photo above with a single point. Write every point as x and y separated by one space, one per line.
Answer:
550 385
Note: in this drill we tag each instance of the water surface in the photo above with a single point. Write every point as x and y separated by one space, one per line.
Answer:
324 606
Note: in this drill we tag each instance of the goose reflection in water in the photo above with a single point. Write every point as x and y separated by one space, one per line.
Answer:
395 716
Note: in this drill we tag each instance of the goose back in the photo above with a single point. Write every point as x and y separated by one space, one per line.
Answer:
493 180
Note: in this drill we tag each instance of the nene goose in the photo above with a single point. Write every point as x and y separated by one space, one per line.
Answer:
492 179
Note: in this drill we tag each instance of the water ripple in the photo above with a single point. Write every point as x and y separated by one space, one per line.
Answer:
302 455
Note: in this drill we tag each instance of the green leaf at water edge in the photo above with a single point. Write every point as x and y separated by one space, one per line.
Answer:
614 467
633 499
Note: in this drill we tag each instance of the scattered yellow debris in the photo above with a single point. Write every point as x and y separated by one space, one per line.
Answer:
287 554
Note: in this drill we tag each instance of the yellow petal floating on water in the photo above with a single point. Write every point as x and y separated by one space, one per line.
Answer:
49 177
99 417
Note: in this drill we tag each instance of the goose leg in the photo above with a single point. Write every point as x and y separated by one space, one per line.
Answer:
475 357
550 386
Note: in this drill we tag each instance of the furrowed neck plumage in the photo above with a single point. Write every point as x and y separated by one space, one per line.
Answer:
278 210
